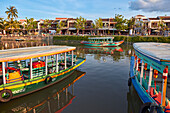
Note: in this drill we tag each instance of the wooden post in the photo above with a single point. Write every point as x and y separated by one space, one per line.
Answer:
58 96
46 68
56 63
150 79
72 89
72 54
49 109
141 74
66 94
3 72
65 60
31 69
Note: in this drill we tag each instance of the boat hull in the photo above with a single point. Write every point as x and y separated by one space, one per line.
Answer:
29 86
102 44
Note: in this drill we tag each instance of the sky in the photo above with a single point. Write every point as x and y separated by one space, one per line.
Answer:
89 9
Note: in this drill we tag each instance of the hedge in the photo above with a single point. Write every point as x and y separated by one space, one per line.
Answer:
118 38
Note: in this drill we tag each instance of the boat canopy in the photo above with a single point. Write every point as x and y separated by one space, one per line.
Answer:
156 51
96 38
32 52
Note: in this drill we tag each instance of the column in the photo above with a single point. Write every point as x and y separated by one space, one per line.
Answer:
141 74
31 69
56 63
46 69
150 79
65 60
72 54
3 72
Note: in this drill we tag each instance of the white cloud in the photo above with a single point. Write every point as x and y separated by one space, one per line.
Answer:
150 5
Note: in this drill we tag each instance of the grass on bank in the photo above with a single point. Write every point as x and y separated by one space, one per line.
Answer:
118 38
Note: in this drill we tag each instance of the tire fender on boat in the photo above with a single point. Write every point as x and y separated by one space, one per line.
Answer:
152 108
7 95
129 82
48 80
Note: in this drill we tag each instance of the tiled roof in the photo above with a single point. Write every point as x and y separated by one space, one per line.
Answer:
153 18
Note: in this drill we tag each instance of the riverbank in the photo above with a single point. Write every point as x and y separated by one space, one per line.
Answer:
118 38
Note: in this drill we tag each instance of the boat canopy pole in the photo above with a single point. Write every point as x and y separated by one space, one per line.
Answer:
3 72
164 86
31 69
137 64
56 63
150 79
72 54
65 61
141 74
46 69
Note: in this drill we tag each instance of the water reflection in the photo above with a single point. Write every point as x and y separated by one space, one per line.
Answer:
100 53
134 102
53 99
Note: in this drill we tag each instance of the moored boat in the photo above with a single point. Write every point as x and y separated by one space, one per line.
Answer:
102 42
26 70
149 75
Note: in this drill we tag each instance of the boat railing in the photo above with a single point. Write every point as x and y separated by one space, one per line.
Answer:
147 79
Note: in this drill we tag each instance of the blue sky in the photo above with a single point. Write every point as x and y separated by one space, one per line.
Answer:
89 9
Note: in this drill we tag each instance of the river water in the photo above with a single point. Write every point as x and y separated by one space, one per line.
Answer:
100 85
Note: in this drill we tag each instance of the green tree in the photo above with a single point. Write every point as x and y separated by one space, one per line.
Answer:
161 26
61 25
98 24
12 13
13 25
131 23
83 24
79 24
121 22
3 24
46 24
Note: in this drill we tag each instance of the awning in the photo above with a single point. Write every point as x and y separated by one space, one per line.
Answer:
71 28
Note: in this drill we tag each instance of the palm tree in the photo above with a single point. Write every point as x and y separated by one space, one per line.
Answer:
12 13
83 24
61 25
161 26
46 24
131 24
79 24
13 25
30 25
3 24
98 24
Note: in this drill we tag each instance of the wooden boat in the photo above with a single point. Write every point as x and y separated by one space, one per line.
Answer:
148 72
26 70
102 41
60 96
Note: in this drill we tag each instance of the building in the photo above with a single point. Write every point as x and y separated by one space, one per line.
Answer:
151 26
108 26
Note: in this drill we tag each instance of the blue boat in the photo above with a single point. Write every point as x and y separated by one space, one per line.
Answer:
149 76
102 42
